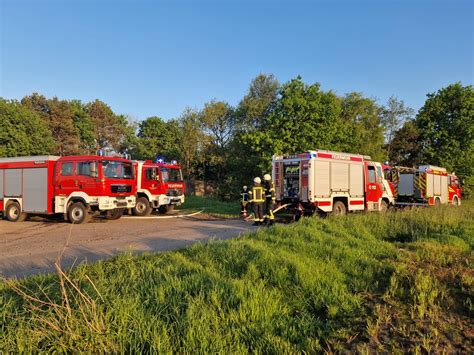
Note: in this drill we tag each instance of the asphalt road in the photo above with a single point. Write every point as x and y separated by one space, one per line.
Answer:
31 247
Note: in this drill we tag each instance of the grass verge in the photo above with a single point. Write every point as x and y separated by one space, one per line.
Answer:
402 281
211 206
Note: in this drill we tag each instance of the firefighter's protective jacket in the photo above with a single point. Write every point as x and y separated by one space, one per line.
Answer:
245 194
270 192
257 194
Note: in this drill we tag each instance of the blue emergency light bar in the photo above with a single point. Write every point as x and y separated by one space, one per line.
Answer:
160 159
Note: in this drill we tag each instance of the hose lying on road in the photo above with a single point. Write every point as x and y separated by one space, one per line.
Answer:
251 217
163 217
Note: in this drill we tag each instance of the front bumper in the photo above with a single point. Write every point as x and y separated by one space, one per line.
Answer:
176 200
163 200
110 203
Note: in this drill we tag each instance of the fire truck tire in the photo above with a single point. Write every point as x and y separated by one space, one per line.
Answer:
78 213
437 202
165 209
13 212
455 201
339 208
114 214
383 206
142 207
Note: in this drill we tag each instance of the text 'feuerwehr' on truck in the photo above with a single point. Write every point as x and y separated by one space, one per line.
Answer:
160 186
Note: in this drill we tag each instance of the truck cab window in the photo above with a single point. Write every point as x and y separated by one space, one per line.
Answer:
117 170
67 169
372 175
171 175
150 174
87 169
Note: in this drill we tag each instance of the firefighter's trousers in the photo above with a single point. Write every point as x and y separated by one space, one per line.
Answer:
269 210
258 211
243 207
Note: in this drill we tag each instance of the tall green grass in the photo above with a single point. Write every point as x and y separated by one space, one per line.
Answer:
368 282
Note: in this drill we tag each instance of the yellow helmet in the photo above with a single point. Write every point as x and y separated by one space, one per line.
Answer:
257 180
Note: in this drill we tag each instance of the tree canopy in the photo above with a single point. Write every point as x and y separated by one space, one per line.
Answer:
446 130
22 131
230 145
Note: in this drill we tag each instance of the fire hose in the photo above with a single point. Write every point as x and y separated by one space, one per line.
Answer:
163 217
274 211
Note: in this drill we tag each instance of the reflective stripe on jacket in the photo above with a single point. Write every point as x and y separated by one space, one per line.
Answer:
257 194
270 191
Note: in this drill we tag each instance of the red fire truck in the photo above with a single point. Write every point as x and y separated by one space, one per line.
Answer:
331 182
160 186
425 185
75 186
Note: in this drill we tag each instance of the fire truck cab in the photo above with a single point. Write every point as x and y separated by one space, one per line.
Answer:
331 182
160 186
75 186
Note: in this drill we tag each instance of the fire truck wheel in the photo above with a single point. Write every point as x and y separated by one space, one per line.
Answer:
13 212
339 208
114 214
142 207
455 201
383 206
437 202
165 209
77 213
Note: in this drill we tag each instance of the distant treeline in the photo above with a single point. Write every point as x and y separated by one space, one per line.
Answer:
229 145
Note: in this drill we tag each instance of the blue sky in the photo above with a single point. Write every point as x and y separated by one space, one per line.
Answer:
157 57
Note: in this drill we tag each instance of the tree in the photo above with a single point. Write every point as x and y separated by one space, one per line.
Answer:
217 121
192 141
394 114
362 132
22 131
59 117
109 129
251 116
259 101
446 126
304 117
84 126
406 147
157 138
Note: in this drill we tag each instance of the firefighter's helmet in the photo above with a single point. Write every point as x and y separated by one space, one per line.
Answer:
257 180
245 188
267 177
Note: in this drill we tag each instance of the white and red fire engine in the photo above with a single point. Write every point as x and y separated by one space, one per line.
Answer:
425 185
160 186
75 186
331 182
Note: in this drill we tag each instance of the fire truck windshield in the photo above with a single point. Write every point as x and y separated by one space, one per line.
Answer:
117 169
171 175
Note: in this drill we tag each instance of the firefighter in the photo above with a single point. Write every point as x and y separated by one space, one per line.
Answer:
257 199
245 197
269 198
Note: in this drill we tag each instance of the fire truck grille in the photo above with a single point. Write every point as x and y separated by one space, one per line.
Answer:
120 188
174 192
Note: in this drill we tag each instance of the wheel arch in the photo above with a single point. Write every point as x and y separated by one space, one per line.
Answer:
343 199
